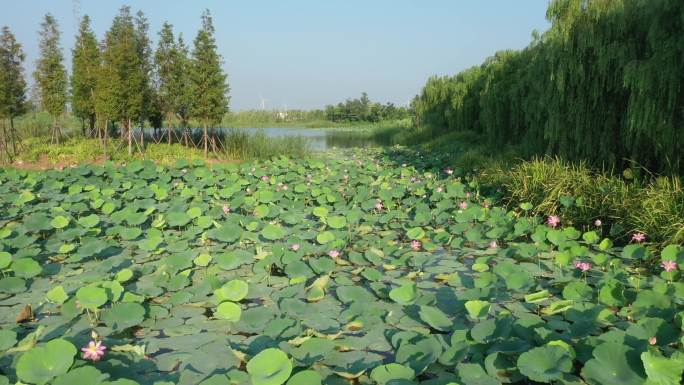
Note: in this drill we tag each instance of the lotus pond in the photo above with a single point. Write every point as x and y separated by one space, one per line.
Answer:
365 267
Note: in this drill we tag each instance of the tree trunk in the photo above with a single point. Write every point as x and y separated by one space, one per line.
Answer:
206 140
92 123
168 127
55 130
14 137
3 143
104 139
142 140
130 138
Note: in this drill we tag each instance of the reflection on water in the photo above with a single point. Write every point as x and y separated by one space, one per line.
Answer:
318 139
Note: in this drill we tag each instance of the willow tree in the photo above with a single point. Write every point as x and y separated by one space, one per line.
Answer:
208 82
85 68
604 84
50 74
12 88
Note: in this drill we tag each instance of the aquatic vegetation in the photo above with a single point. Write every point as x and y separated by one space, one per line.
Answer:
314 284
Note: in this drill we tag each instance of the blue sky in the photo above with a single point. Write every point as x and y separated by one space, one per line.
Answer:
309 53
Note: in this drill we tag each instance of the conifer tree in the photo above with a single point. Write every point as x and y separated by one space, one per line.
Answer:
85 68
123 59
12 87
171 69
208 82
50 74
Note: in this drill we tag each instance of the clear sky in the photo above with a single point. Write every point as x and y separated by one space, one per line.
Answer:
309 53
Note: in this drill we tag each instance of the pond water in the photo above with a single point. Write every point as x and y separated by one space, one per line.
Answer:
319 139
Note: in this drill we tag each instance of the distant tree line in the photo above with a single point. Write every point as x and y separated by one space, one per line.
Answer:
119 82
605 83
364 110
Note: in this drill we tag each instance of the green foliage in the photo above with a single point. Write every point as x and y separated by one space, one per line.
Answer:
12 82
603 84
85 69
207 80
50 74
362 109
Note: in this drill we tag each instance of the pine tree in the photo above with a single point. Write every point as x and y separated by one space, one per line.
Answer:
85 69
144 51
12 87
208 82
50 74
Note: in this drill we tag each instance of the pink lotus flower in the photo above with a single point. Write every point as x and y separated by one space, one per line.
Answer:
379 206
334 253
493 244
485 204
416 245
468 195
553 220
638 237
226 209
652 341
669 266
598 223
264 178
94 351
346 177
463 205
285 187
583 266
295 247
449 171
440 189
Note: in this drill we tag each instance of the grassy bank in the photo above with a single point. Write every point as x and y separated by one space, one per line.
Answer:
635 201
231 145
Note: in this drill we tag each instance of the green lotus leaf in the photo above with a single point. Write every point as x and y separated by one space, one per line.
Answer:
123 315
177 219
537 297
59 222
228 233
26 268
390 373
273 232
337 222
325 237
12 285
7 339
90 221
5 259
269 367
202 260
193 212
84 375
435 318
558 307
57 295
662 370
320 212
91 297
305 377
234 290
312 350
478 309
43 363
415 233
614 364
124 275
545 364
405 294
229 311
